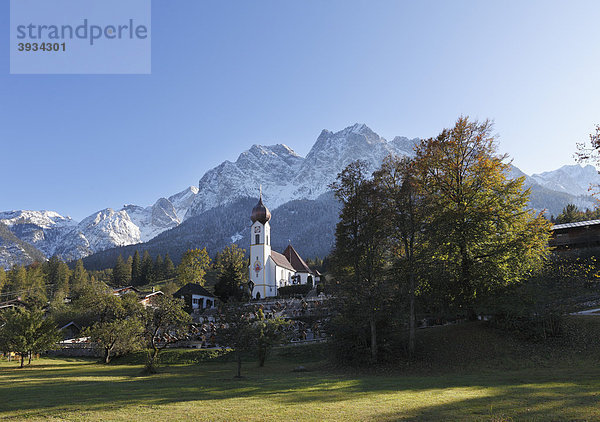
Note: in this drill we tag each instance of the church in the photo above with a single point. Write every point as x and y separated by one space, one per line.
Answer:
270 270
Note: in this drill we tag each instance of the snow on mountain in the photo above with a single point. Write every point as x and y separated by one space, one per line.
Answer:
14 251
101 230
42 229
153 220
183 200
573 179
272 166
286 176
334 151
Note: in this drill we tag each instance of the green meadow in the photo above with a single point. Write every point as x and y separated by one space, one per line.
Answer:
468 372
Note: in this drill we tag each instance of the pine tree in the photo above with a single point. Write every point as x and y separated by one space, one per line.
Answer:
120 273
35 287
79 279
3 278
158 270
169 268
230 264
16 286
147 268
136 270
128 266
57 276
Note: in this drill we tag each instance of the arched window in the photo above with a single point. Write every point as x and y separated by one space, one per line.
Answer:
257 239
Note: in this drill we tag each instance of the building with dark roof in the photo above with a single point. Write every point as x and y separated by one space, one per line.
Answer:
195 296
578 235
269 270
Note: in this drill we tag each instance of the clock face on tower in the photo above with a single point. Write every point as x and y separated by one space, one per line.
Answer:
257 229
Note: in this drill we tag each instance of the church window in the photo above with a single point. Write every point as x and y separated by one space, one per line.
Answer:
267 240
257 239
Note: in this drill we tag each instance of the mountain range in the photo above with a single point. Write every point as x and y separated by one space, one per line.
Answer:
216 211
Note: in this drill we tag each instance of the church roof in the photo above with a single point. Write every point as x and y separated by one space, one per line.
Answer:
281 261
297 262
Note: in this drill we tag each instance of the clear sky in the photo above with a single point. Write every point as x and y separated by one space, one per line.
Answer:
226 75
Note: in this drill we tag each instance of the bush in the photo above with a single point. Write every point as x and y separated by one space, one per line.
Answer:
296 289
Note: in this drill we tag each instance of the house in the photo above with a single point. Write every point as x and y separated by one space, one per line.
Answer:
147 299
269 270
70 331
195 297
124 290
13 303
579 235
143 298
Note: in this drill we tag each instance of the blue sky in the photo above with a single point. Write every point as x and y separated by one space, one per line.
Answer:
226 75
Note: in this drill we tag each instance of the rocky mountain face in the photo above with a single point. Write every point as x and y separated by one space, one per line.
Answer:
215 213
574 179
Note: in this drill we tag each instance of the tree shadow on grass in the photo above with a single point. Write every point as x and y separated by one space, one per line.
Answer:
69 387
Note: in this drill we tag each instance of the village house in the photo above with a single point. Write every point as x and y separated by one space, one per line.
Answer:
195 297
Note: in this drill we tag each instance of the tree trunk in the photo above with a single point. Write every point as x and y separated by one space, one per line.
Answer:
239 365
373 340
29 363
106 355
22 359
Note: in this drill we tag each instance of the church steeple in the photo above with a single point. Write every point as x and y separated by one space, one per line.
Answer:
260 212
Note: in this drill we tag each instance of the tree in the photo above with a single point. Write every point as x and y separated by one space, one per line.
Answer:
121 335
269 332
158 269
79 279
57 275
35 287
572 214
478 223
121 274
2 278
136 270
169 268
238 332
590 152
231 265
165 322
193 266
27 331
360 246
404 216
147 268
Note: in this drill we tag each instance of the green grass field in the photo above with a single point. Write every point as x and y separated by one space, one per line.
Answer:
540 385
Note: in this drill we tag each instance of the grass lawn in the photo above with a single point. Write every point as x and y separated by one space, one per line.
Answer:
549 387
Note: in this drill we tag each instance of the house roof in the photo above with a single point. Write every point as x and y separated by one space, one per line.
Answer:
72 323
122 290
297 262
193 289
576 224
281 261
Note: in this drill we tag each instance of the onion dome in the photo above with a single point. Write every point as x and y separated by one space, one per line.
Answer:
260 212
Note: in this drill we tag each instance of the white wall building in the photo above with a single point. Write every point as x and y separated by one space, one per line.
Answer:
270 270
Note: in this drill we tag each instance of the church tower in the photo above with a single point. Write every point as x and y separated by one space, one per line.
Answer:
260 251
